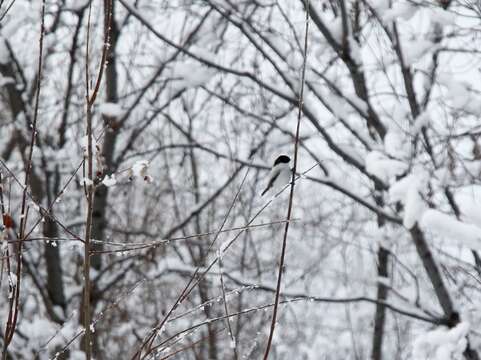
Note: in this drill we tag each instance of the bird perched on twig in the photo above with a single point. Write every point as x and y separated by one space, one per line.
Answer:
280 173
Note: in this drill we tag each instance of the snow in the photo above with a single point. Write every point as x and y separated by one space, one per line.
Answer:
337 105
438 15
460 95
190 75
414 50
469 202
408 191
39 331
86 181
381 166
394 143
111 110
139 168
456 232
380 6
84 142
441 343
358 103
352 151
12 279
77 355
109 180
279 44
203 53
356 53
421 121
400 10
335 28
4 54
295 59
384 281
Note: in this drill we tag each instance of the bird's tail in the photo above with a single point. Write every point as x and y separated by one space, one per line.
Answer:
266 190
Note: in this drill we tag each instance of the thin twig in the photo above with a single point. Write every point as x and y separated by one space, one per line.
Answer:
14 301
291 194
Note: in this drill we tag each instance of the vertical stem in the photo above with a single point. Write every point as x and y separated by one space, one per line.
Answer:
90 186
291 194
90 195
88 231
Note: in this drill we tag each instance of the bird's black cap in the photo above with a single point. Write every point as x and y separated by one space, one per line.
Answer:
282 159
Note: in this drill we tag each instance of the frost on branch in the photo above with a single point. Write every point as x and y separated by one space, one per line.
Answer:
190 75
408 191
111 110
456 232
383 167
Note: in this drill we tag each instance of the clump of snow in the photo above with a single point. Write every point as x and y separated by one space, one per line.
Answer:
460 94
469 202
400 10
204 53
438 15
394 143
335 28
380 6
139 169
383 167
442 343
77 355
408 191
86 181
111 110
38 330
421 121
295 59
84 142
109 180
12 279
191 75
414 50
337 105
458 233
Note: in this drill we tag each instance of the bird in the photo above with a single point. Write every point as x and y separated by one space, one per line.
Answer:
280 173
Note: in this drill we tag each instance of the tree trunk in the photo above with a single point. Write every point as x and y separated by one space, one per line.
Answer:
380 317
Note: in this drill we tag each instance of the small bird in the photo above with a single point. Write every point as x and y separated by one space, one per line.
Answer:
280 173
